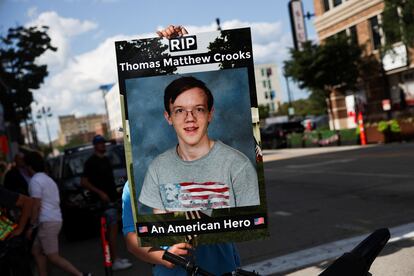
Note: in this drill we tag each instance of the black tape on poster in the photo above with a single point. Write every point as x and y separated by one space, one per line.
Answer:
202 226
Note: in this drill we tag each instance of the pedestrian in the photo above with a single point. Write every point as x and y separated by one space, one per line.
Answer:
17 178
47 217
12 260
3 169
98 178
219 258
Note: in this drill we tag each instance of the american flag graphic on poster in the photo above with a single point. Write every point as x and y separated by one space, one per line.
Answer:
259 221
186 196
143 229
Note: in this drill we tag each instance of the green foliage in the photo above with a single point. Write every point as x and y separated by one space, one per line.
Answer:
19 72
320 68
311 106
391 125
398 22
263 111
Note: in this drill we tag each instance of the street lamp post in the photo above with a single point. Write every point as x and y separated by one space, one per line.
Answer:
46 112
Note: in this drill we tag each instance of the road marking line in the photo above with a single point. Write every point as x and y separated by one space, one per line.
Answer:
282 213
385 175
336 161
321 253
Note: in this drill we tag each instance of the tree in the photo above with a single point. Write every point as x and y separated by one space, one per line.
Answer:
263 111
398 23
320 68
335 64
19 72
303 107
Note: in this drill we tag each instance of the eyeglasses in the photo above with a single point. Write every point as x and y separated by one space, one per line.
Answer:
181 113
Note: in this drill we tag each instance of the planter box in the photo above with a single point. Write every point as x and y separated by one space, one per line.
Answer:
375 136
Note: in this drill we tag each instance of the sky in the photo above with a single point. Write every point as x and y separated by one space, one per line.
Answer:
84 31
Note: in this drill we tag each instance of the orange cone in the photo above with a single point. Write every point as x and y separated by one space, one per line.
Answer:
362 136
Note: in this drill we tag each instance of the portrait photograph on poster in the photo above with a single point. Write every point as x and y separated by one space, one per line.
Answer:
178 94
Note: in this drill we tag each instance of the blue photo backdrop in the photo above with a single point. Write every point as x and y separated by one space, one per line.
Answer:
151 135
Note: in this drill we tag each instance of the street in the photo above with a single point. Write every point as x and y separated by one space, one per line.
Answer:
317 199
314 200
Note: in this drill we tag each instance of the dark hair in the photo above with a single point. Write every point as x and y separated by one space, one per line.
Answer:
35 161
178 86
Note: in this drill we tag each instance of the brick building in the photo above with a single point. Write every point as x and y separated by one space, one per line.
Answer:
390 77
81 128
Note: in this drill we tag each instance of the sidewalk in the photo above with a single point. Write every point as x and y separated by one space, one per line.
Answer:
396 259
280 154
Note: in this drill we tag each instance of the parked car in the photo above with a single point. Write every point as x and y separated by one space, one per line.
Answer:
80 210
275 135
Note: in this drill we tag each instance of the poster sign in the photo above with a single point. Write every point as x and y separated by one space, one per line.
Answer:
176 94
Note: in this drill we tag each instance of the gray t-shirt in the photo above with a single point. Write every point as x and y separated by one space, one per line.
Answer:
222 178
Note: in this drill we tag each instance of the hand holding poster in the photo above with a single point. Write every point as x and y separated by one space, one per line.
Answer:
195 166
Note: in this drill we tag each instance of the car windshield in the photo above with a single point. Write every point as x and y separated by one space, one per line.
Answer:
73 164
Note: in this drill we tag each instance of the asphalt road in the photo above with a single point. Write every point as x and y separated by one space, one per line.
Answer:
312 200
322 198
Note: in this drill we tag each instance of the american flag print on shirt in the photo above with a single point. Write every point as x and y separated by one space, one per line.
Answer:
187 196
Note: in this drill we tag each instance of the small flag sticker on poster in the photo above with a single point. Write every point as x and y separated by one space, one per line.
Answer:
259 221
143 229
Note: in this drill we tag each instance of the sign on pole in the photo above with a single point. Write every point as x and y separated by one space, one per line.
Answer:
297 23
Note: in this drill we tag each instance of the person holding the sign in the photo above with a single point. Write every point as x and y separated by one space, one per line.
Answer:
199 173
193 144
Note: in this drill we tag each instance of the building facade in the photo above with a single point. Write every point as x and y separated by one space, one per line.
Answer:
388 78
81 128
268 88
113 105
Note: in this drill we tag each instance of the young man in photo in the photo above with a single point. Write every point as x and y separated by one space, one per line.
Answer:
199 173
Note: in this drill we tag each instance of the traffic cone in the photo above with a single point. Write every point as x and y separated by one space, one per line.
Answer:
362 136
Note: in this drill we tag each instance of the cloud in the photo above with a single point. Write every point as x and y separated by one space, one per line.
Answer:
61 31
32 12
72 85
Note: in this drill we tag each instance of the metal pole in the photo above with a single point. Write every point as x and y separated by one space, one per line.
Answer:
46 113
288 91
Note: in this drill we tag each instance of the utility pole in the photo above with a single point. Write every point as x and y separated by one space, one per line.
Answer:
105 89
290 108
46 112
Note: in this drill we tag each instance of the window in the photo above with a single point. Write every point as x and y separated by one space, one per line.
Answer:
376 32
263 72
326 5
341 34
264 84
353 35
337 2
266 95
269 83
